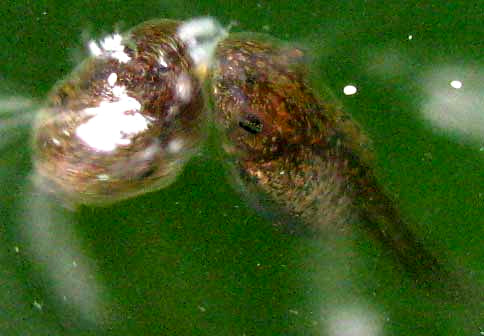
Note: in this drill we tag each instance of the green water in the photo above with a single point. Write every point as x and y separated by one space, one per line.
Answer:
195 259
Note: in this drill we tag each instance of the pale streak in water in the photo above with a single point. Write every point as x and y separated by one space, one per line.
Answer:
46 231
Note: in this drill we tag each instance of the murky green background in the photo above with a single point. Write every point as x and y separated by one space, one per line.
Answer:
194 259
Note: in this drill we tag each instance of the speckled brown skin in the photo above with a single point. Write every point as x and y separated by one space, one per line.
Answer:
294 152
74 171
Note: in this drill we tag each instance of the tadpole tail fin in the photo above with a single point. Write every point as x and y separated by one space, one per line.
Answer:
448 285
384 221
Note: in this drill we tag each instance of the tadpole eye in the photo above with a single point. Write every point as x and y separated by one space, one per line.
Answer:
251 124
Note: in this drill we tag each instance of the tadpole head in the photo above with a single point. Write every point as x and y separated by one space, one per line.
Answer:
261 100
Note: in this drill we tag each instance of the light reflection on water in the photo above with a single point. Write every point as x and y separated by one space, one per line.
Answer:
455 106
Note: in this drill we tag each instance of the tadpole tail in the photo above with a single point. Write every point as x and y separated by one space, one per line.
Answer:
447 284
383 220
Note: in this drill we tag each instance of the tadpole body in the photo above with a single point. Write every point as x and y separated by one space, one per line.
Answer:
296 154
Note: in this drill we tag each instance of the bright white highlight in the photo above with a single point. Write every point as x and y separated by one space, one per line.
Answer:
119 91
94 49
112 123
162 61
184 88
201 36
103 177
354 321
349 90
112 79
456 84
111 46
